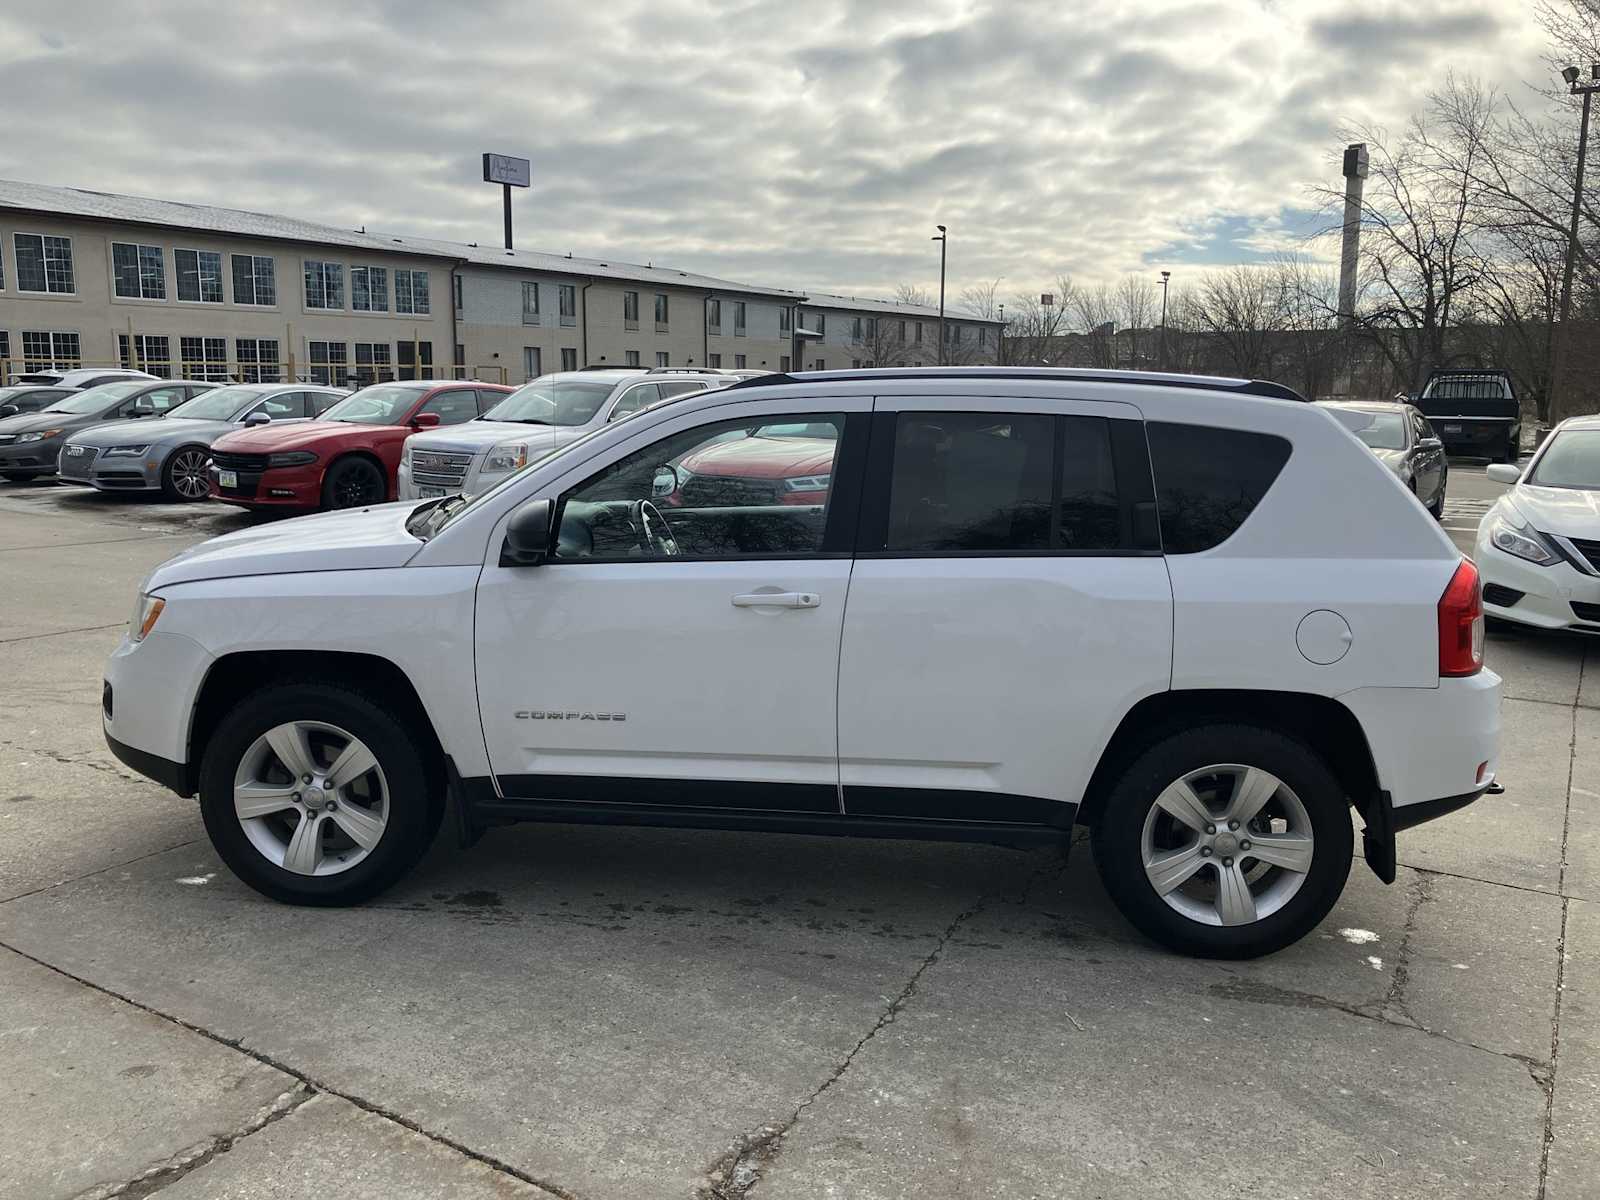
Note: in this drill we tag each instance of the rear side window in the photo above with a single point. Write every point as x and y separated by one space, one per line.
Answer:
1003 483
1208 480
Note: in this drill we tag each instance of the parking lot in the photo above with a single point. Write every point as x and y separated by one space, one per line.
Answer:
610 1013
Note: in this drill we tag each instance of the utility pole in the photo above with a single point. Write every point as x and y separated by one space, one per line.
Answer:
1165 275
1355 174
1001 352
1558 336
943 240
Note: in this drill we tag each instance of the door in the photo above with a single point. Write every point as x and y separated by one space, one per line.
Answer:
1428 458
1008 604
682 647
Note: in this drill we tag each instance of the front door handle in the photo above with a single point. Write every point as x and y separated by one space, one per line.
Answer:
777 600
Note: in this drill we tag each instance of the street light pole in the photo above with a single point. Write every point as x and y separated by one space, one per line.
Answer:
1001 353
1165 275
943 240
1558 336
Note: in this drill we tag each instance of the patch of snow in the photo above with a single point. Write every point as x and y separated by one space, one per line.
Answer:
197 880
1375 961
1358 937
1460 966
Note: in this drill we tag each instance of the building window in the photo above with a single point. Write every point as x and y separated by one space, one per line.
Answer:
855 364
662 360
919 336
738 318
203 358
138 272
461 355
373 364
415 360
822 324
872 328
783 362
254 280
952 333
855 329
258 357
630 310
820 365
631 357
785 320
5 358
199 275
661 312
42 350
713 316
530 304
369 289
328 364
739 361
902 335
460 291
569 359
714 360
532 366
411 292
324 285
154 354
44 264
567 294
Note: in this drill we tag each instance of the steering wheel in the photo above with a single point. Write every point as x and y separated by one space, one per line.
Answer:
654 534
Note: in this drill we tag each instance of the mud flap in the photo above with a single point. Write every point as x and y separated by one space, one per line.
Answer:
1377 839
468 828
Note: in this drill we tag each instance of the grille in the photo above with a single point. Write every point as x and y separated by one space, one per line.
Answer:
77 461
1586 612
7 438
1500 595
726 491
239 462
439 468
1589 550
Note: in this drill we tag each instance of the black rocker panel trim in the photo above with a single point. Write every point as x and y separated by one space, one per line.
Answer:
672 793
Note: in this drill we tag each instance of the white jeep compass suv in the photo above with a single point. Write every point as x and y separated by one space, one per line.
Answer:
960 604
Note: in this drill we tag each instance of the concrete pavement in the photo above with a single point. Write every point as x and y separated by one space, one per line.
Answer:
651 1013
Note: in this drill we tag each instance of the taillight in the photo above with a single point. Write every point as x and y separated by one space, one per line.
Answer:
1461 623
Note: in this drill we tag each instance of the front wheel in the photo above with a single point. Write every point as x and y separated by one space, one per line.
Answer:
315 794
1225 841
1437 505
353 483
186 474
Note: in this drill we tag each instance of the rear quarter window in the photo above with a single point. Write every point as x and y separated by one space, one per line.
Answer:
1209 480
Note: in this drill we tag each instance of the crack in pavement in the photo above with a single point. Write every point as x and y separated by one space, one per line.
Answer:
164 1175
97 871
70 760
1421 893
303 1077
33 637
741 1168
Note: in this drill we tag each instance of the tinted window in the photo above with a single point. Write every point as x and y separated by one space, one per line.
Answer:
284 405
157 401
453 407
634 399
321 402
488 399
727 490
681 388
1209 480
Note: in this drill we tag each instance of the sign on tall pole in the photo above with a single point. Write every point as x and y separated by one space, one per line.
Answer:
1355 173
508 172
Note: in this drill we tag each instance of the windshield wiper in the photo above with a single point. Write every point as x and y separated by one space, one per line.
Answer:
527 421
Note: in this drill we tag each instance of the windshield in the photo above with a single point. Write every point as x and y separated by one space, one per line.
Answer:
381 404
1572 460
216 406
553 402
97 398
1387 432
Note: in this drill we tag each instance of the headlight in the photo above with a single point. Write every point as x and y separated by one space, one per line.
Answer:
126 451
1522 541
510 457
291 458
40 436
145 615
807 483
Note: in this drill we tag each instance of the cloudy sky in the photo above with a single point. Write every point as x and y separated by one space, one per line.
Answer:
806 144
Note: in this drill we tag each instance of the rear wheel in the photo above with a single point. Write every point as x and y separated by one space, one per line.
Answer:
315 794
186 475
1437 505
1508 452
352 483
1225 841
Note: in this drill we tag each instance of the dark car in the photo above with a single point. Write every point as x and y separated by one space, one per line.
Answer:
1475 411
1401 438
25 398
30 443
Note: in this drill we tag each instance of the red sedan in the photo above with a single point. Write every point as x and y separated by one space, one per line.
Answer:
349 456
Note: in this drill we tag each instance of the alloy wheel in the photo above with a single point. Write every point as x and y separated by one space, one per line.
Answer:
357 487
189 474
311 798
1227 844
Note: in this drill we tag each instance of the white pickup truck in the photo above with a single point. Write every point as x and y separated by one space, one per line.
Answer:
949 603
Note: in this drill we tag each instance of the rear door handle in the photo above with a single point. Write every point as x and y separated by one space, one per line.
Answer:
777 600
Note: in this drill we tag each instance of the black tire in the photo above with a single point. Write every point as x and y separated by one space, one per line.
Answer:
1508 452
185 467
414 810
1117 836
354 482
20 476
1437 507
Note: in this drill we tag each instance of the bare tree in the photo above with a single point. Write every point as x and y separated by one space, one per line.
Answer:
908 293
1035 330
1096 312
1137 306
1240 310
982 300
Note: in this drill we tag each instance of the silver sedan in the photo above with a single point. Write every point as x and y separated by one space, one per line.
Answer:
173 453
1400 437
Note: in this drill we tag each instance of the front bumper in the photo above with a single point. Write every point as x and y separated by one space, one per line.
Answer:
1555 597
119 473
31 456
275 487
147 700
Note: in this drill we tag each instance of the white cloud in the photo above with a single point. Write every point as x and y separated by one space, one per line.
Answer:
810 145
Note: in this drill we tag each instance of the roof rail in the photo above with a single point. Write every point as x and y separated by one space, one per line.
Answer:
1208 383
684 371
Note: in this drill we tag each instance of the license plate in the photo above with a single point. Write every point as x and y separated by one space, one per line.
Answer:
1452 429
228 478
428 493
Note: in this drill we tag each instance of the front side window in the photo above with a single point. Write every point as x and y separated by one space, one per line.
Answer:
139 272
411 292
258 359
284 406
634 399
1209 480
254 280
199 275
734 489
369 289
44 264
530 303
324 285
453 407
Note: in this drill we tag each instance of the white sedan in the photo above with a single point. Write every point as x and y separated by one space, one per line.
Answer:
1539 545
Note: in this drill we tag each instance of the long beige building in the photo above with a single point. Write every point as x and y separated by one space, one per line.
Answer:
92 279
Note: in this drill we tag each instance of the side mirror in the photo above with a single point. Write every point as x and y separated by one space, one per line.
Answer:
258 418
425 421
1504 472
666 482
9 410
527 541
1431 443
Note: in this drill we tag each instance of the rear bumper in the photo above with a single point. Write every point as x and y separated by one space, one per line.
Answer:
1382 823
1433 742
1476 435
